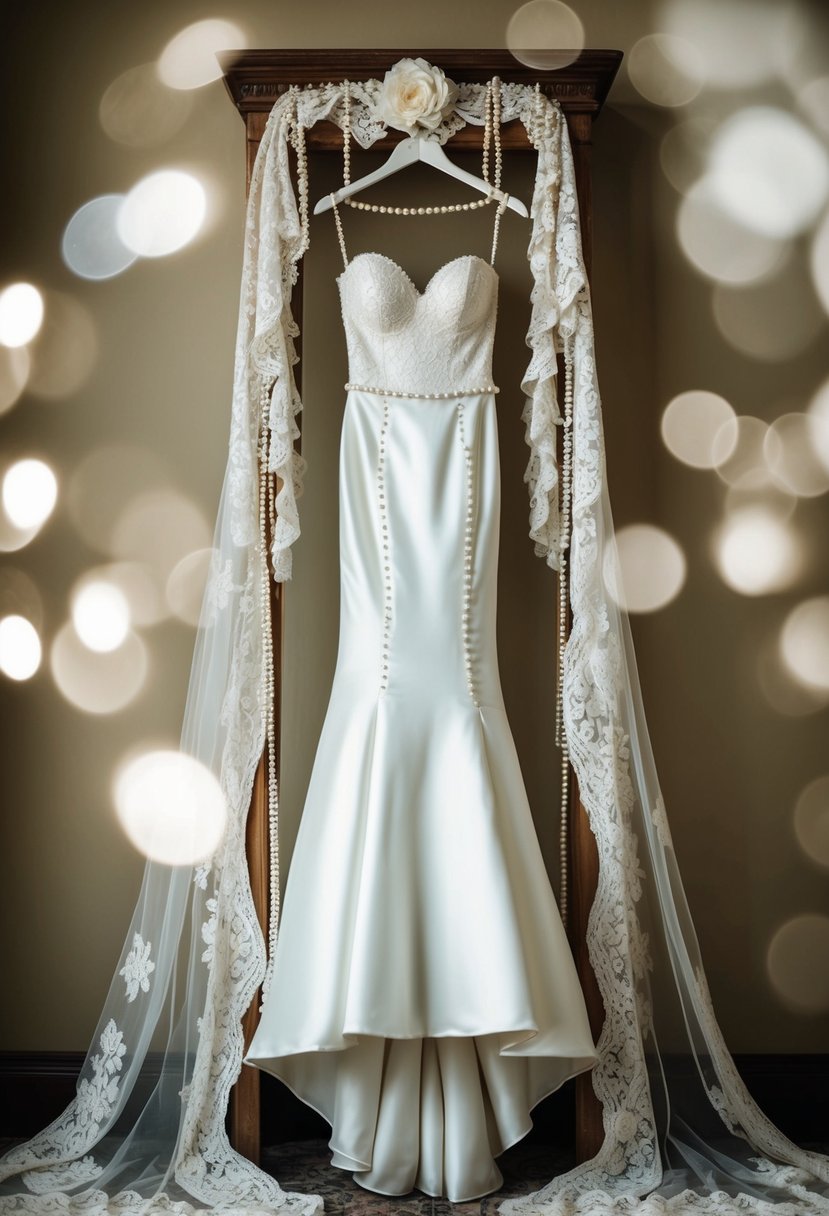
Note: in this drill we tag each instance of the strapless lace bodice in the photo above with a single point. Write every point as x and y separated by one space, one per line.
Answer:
433 341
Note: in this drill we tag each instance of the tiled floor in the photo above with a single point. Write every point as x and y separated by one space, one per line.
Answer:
305 1166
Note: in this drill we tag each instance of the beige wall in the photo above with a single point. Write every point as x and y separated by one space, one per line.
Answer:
730 766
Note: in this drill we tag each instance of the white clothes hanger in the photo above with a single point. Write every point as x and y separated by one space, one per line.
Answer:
407 152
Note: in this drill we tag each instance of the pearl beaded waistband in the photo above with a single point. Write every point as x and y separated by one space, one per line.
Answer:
395 392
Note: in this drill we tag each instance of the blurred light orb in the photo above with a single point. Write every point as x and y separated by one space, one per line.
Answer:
737 39
160 528
785 694
666 70
796 963
720 246
30 491
545 34
737 452
162 213
647 570
139 110
683 150
804 642
64 352
171 807
139 586
753 491
20 649
811 820
100 614
15 365
792 455
189 61
21 314
756 552
107 478
97 681
690 423
772 318
92 247
769 171
819 262
186 584
818 411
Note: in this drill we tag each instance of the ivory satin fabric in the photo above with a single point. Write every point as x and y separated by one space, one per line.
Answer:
424 997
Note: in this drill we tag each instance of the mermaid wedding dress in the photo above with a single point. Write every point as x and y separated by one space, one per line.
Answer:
423 996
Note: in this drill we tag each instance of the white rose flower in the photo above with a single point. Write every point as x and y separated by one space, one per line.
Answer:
415 94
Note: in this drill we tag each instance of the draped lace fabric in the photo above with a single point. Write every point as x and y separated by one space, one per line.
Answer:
146 1130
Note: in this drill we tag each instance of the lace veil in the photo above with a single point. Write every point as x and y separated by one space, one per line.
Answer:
146 1129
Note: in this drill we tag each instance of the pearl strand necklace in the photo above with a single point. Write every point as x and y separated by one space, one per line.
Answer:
492 124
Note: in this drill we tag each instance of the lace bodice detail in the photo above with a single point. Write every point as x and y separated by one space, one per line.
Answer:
420 342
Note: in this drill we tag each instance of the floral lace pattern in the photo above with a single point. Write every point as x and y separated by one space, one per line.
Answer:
137 968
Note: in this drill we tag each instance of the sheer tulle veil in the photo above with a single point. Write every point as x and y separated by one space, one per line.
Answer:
146 1129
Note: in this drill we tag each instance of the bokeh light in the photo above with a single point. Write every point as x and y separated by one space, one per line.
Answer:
139 585
21 314
98 682
796 963
159 528
738 454
103 482
20 650
189 61
718 245
785 694
30 491
186 584
769 171
170 806
811 820
64 352
819 262
92 246
545 34
772 319
100 614
162 213
738 39
15 365
665 70
139 110
804 642
791 452
818 412
690 424
683 150
756 552
645 569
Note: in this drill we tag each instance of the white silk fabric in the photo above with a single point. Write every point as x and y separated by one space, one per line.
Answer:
424 997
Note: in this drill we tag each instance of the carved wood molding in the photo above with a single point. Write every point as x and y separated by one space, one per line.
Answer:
256 78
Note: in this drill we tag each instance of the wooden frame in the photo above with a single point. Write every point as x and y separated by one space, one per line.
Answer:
255 80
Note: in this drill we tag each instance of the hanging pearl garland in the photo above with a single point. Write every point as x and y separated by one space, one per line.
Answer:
296 135
267 514
564 541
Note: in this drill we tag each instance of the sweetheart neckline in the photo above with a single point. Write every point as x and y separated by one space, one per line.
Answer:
372 253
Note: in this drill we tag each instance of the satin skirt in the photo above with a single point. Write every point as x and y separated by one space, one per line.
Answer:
424 997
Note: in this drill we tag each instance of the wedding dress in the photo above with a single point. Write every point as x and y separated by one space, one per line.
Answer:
423 995
146 1131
